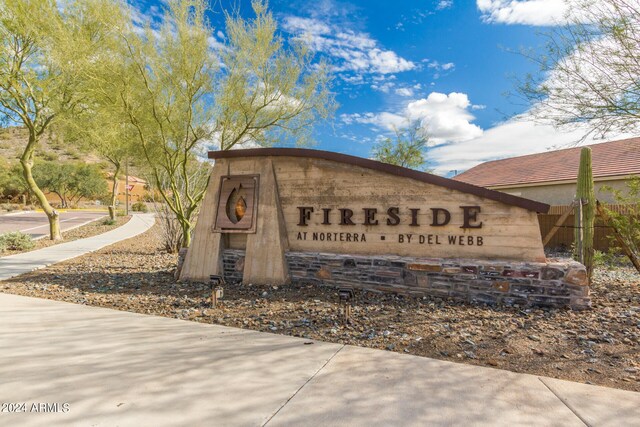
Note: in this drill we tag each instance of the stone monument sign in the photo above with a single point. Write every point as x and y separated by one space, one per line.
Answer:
276 215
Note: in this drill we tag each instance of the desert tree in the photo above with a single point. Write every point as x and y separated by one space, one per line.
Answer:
164 83
71 181
625 223
43 49
268 93
115 145
590 71
180 92
590 79
407 148
106 134
104 128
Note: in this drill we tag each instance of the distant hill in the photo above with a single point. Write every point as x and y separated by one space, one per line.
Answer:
13 140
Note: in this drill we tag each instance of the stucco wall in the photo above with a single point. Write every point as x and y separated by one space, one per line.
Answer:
562 194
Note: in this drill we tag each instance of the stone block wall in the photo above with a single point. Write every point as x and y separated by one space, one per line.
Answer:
554 284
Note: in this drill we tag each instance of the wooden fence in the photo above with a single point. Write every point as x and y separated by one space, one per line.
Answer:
564 236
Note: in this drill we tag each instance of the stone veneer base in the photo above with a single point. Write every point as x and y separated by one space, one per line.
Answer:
552 284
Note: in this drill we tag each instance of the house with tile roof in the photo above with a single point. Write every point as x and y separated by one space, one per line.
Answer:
550 177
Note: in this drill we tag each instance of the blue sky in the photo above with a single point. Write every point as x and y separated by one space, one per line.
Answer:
445 64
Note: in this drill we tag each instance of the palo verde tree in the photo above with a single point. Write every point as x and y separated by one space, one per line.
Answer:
408 149
268 93
43 49
103 128
165 86
590 72
177 97
106 134
114 144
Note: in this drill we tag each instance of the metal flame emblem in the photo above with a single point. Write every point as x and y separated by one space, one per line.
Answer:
237 204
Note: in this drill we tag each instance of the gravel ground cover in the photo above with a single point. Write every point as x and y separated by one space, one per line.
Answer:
596 346
92 229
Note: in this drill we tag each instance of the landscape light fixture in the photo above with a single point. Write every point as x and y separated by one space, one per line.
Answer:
217 291
346 298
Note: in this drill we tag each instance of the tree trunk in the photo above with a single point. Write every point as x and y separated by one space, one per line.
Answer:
186 232
114 193
61 199
27 164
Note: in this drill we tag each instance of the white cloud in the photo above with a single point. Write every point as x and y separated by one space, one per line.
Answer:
438 67
385 120
527 12
404 91
444 4
445 117
306 26
384 87
215 44
349 50
515 137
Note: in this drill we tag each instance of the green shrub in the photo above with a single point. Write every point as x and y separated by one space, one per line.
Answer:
50 157
10 207
626 221
139 207
16 241
108 221
147 197
610 260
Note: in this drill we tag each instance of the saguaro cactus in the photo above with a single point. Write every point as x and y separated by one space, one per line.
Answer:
584 225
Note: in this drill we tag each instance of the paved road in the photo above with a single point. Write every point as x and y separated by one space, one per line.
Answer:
37 225
14 265
126 369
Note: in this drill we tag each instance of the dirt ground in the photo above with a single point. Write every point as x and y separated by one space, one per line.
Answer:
596 346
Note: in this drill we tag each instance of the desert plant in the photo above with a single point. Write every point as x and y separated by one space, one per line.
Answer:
108 221
49 157
170 227
625 223
610 259
408 149
70 181
139 207
584 225
16 241
44 48
177 96
10 207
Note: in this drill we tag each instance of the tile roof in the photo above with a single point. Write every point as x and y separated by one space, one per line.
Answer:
612 158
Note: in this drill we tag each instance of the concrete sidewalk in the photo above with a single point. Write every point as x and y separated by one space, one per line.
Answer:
126 369
14 265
